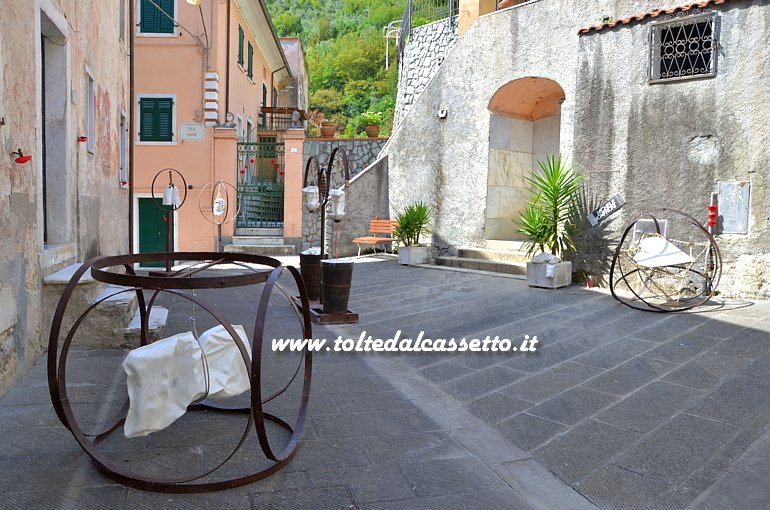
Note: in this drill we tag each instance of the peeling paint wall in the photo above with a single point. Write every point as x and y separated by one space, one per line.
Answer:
669 144
87 208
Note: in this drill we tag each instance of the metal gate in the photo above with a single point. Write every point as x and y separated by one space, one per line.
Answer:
261 176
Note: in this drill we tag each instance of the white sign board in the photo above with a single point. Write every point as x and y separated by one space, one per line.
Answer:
191 132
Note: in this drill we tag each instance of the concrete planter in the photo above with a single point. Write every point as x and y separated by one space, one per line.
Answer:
537 275
413 255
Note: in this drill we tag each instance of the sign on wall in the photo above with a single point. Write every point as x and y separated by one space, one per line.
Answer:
191 132
734 207
610 207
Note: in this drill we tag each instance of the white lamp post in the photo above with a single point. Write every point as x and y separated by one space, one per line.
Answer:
310 194
337 211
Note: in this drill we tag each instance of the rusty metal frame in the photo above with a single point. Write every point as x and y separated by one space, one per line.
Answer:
103 270
711 274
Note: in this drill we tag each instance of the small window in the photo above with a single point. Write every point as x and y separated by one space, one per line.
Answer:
684 48
240 45
263 114
122 18
154 20
156 119
275 97
250 69
90 131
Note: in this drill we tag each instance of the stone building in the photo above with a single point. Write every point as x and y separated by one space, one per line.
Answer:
548 76
63 101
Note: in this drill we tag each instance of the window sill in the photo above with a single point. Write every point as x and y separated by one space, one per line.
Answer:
139 142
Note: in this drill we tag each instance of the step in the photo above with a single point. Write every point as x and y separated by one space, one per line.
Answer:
115 311
83 296
496 255
260 232
131 335
257 241
505 245
285 249
518 268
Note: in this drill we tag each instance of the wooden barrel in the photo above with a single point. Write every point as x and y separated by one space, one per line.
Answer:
336 276
310 269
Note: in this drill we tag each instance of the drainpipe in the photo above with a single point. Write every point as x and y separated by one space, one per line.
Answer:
272 77
131 128
227 61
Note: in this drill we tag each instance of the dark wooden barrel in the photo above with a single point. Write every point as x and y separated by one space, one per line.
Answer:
310 269
336 275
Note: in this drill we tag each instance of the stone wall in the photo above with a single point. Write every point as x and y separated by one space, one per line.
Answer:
426 49
87 207
446 161
361 154
670 144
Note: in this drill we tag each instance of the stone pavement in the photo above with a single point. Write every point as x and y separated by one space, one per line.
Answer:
617 408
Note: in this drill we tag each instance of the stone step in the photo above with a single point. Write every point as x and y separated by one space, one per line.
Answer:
259 232
257 241
131 335
496 255
518 268
83 296
504 245
285 249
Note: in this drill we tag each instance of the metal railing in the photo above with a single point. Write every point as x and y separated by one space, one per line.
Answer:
422 12
279 118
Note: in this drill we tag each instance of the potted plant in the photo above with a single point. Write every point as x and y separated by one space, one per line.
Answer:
549 222
371 122
412 223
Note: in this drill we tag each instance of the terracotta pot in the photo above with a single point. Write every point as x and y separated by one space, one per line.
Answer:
372 131
328 129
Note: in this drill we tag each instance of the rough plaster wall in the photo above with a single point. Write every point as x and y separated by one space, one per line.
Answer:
97 207
445 161
361 153
668 144
425 50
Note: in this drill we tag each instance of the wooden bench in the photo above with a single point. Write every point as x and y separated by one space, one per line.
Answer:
378 227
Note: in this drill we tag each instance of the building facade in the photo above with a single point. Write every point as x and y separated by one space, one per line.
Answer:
64 110
532 79
207 79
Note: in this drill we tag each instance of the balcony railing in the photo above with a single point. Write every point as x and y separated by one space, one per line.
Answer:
277 118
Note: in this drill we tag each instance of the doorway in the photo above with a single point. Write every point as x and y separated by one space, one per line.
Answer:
152 229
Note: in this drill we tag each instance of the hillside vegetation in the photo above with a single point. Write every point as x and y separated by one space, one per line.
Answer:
345 50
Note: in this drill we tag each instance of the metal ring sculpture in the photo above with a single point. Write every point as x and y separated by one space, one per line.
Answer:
184 187
176 285
671 287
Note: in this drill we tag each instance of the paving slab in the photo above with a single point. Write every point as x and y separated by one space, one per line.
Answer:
616 408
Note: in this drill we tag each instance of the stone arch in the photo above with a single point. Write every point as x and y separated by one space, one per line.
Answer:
524 124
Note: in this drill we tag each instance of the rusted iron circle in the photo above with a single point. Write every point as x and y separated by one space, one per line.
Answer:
644 302
256 414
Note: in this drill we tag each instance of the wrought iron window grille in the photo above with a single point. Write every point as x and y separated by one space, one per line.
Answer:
684 47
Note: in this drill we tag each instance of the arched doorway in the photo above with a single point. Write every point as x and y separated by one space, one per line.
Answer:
525 118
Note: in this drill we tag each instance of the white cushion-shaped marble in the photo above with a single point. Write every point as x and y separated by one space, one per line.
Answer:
658 252
166 376
228 376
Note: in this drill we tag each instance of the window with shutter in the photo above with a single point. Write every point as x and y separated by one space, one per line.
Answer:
240 45
157 21
156 122
250 71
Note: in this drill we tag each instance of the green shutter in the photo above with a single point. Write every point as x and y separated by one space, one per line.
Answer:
165 120
275 97
240 45
264 104
156 119
153 21
250 71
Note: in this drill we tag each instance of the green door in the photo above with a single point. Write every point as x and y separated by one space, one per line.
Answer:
152 230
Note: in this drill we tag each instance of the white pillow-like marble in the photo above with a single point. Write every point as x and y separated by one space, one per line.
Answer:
166 376
658 252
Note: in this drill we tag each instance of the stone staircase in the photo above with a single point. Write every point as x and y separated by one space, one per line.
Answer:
259 241
505 257
115 321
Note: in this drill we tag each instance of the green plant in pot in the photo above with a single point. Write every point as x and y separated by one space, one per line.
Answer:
413 223
549 222
371 122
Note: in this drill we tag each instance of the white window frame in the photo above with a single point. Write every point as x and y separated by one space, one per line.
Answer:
138 22
139 119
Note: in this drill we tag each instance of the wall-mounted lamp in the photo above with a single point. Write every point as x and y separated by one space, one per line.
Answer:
82 139
194 2
20 157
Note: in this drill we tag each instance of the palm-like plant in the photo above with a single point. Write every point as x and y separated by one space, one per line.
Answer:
549 219
412 222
